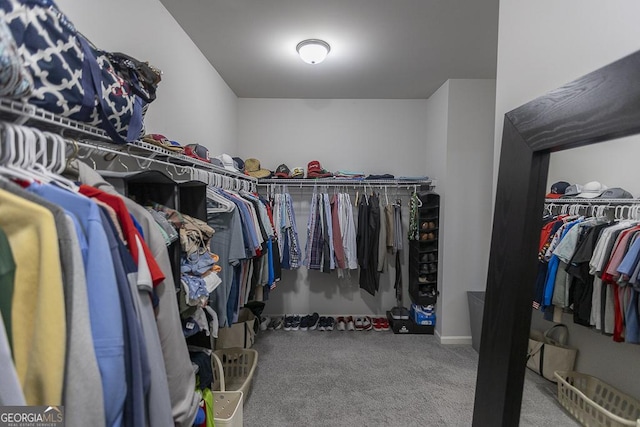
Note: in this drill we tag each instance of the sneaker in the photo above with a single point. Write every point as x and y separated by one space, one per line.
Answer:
304 322
264 323
329 325
350 325
384 324
366 324
322 323
359 322
275 324
295 323
313 321
287 323
341 323
377 324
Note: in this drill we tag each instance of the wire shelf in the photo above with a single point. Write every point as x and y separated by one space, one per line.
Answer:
28 115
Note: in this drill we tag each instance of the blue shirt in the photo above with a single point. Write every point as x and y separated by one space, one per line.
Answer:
630 260
104 301
554 261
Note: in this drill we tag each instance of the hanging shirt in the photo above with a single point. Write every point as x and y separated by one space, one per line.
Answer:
10 389
135 352
227 242
329 227
104 302
83 384
337 233
349 236
128 227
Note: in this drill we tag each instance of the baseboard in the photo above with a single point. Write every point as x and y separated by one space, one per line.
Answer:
451 340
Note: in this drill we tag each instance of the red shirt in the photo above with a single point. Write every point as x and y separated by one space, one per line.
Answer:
128 229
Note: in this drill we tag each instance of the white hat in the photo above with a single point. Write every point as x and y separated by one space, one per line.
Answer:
227 162
591 190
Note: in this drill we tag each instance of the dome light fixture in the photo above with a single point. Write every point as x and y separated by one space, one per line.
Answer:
313 51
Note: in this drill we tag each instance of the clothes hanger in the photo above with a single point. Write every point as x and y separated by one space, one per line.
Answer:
38 163
13 142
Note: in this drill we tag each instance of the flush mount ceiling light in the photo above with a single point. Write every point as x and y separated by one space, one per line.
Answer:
313 51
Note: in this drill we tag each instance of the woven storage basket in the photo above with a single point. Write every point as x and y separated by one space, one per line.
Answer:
596 403
238 366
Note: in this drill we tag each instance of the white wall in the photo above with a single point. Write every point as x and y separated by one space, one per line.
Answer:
460 146
545 44
467 207
437 137
542 45
194 104
584 164
372 136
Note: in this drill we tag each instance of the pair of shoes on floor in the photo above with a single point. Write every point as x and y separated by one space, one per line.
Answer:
326 323
309 322
275 324
292 323
345 323
363 323
380 324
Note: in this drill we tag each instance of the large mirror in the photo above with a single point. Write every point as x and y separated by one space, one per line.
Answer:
601 106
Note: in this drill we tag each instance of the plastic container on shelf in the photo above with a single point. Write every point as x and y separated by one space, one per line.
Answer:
595 403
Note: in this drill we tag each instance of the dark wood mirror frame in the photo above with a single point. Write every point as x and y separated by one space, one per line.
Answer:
601 106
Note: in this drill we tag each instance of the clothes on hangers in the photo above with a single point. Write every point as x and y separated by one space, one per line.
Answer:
587 266
182 401
286 231
247 244
367 241
331 234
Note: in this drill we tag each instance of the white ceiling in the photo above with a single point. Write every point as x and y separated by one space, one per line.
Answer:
380 49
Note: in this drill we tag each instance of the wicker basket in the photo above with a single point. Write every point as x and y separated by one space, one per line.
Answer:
238 366
595 403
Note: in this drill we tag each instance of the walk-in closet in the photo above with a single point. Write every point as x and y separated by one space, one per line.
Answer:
357 213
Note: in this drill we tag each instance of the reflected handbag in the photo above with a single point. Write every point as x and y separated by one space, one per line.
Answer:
548 352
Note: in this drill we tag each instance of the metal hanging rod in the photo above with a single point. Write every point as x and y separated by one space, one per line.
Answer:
594 201
340 182
27 115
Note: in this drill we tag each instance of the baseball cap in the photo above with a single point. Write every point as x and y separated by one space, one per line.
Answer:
314 170
283 171
162 141
616 193
297 172
239 163
227 162
197 151
253 168
572 190
557 190
591 190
